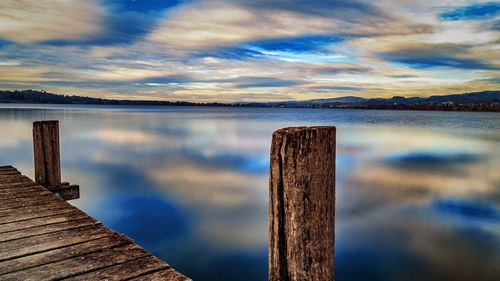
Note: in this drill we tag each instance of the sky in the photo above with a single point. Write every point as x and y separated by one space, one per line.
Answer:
236 50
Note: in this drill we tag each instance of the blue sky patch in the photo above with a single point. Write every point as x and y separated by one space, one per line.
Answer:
476 11
143 5
302 49
296 44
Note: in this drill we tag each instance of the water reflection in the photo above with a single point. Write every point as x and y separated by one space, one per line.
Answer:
418 193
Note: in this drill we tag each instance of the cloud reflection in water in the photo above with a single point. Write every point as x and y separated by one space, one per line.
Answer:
190 185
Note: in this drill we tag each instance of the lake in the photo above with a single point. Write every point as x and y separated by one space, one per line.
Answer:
418 193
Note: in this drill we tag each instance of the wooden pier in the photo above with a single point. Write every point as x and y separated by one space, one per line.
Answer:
43 237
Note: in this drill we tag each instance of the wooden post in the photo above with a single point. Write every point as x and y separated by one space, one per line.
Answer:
302 204
47 160
47 157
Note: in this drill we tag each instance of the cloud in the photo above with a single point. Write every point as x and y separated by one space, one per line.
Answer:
216 24
348 10
264 82
212 26
474 11
344 16
30 21
337 88
209 24
338 68
242 51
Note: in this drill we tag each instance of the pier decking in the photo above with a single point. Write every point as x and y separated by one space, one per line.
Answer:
43 237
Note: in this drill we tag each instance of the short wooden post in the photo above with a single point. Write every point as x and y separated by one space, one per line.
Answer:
302 204
47 155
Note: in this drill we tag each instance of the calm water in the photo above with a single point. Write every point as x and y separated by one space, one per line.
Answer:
418 193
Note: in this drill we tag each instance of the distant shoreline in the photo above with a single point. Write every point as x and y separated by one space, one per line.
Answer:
486 101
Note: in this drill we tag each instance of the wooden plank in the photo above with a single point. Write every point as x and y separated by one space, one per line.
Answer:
26 188
23 193
31 212
19 225
49 228
78 265
134 268
8 182
9 173
167 274
5 188
40 197
51 256
17 184
14 179
3 169
15 187
32 245
25 201
6 167
20 202
45 242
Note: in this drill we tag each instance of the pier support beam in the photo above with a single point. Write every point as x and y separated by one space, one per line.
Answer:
47 159
302 204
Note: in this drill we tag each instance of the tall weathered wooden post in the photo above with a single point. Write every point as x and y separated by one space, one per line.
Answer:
302 204
47 159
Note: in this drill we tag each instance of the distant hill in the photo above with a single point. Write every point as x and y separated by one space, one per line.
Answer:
478 101
42 97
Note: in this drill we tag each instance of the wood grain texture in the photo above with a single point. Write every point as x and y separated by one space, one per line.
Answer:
78 265
165 274
131 269
32 212
302 204
36 222
48 228
51 256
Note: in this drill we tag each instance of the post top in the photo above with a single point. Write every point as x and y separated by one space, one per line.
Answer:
45 122
294 130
